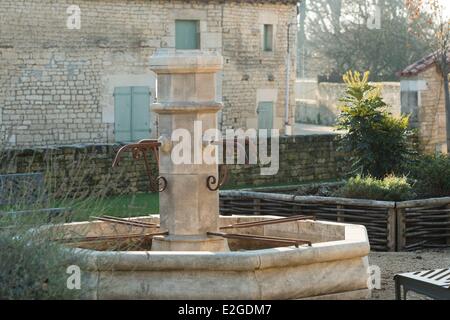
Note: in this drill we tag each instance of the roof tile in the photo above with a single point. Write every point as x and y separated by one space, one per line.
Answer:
421 65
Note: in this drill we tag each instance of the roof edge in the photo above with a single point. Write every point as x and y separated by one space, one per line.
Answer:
421 65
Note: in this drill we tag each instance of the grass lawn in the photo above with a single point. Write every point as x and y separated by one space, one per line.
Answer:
133 205
82 209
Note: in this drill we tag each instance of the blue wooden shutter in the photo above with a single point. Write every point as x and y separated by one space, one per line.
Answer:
265 115
122 114
140 121
187 36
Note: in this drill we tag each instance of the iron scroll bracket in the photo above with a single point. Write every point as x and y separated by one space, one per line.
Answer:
211 182
139 151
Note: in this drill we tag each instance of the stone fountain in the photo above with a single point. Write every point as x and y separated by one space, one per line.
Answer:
186 95
184 253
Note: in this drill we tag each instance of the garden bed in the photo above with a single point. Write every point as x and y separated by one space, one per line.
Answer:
391 225
387 174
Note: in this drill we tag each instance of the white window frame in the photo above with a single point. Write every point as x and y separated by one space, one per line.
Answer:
188 14
268 18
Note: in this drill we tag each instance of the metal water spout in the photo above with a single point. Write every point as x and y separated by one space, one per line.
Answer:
140 150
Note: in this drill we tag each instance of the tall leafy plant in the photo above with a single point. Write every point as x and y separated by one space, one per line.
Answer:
376 141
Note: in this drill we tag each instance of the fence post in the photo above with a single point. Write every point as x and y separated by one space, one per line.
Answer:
448 237
392 230
257 207
221 205
339 217
401 227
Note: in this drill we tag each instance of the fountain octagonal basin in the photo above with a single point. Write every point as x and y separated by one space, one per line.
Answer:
335 266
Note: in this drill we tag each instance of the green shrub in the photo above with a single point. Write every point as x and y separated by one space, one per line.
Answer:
32 267
376 141
431 175
390 188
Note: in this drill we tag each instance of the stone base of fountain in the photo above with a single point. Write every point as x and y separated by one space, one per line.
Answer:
189 243
335 266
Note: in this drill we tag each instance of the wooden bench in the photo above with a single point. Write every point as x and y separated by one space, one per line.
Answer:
28 190
432 283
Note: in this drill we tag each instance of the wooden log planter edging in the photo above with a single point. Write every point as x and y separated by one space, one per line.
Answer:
391 226
423 224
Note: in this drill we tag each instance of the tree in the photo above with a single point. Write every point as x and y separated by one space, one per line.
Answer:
339 34
376 141
439 44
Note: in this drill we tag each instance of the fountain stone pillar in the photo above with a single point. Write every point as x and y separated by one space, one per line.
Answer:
187 99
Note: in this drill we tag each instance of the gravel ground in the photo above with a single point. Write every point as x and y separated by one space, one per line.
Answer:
392 263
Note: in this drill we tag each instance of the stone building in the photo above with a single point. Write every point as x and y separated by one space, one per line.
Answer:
422 96
78 74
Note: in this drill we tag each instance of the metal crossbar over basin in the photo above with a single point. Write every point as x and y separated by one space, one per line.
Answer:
126 222
267 222
278 240
111 238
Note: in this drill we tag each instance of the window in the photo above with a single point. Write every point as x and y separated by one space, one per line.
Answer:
410 100
410 105
132 113
265 115
187 34
268 37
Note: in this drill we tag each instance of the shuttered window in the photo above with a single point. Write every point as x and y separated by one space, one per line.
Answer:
265 115
187 34
132 113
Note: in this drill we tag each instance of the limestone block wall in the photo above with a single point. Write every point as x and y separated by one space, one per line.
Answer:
318 102
431 112
302 158
306 89
81 170
78 170
257 76
57 84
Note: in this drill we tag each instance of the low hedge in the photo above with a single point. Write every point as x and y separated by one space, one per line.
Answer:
390 188
430 176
